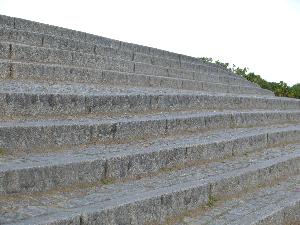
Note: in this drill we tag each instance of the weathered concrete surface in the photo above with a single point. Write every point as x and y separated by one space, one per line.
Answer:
29 26
153 199
73 58
26 98
45 171
99 131
26 135
276 205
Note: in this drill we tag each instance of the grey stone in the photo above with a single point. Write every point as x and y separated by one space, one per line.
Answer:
276 205
5 50
42 172
143 58
155 198
150 69
166 62
78 111
31 26
134 48
12 35
5 70
58 133
39 98
6 21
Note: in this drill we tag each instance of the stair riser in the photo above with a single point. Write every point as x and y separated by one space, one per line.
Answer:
43 55
11 70
29 26
46 55
287 215
67 73
29 53
52 135
68 126
172 204
206 76
40 104
155 208
41 178
35 39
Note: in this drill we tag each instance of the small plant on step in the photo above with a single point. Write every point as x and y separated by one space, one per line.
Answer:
211 201
2 152
106 181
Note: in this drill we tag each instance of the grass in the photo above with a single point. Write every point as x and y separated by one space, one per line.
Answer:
2 152
106 181
211 201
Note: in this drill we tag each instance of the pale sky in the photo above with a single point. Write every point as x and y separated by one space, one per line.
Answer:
263 35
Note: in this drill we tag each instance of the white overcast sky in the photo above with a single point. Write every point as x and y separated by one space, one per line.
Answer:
263 35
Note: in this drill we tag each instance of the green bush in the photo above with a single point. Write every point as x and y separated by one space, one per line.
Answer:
280 89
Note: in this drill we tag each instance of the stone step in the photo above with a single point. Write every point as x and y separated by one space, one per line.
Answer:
276 205
26 53
152 200
40 172
39 28
43 99
48 41
60 73
57 133
56 72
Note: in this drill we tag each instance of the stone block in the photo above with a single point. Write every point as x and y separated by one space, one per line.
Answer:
142 68
143 58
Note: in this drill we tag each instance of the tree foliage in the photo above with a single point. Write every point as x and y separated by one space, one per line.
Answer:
280 89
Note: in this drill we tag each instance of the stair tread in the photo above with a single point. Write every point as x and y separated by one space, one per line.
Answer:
92 61
99 131
198 79
101 197
161 116
96 152
247 83
91 54
251 208
39 87
118 47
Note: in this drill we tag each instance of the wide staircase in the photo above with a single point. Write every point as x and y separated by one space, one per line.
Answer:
99 131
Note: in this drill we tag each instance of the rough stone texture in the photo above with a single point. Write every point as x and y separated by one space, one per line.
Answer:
48 41
31 26
133 160
58 133
5 70
12 35
277 205
5 50
44 99
99 131
42 71
152 199
6 21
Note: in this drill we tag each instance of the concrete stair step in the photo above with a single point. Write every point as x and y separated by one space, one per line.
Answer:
100 131
22 25
56 72
48 41
57 133
43 99
276 205
26 53
152 200
44 171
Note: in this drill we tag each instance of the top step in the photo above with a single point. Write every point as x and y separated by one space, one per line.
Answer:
30 26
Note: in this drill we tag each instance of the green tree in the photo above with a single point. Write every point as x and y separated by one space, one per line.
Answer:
280 89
